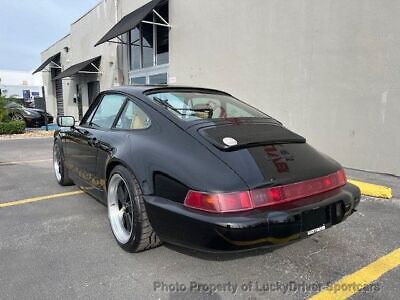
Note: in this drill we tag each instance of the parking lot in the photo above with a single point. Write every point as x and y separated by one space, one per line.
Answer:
62 247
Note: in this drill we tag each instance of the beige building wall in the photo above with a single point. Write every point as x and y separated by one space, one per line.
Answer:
84 34
328 69
48 83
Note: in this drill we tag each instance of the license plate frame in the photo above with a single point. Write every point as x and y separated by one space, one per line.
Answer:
315 230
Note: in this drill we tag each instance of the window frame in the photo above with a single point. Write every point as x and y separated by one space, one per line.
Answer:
128 98
92 110
86 122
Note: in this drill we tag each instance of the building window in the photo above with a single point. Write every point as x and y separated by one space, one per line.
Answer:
135 49
138 80
162 54
150 42
158 79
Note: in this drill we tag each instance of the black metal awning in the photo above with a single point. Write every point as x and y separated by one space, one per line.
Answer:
90 66
131 20
51 60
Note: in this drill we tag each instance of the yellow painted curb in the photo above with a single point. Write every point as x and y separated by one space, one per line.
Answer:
373 190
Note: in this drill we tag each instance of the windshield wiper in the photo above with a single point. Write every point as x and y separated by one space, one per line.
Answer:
165 103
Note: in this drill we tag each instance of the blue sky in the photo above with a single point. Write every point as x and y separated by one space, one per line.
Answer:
27 27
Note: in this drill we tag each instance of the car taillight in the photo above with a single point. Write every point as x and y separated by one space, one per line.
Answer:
219 202
239 201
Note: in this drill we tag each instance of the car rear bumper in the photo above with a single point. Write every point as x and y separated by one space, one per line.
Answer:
266 227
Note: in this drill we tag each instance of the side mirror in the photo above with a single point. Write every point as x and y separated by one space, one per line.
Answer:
66 121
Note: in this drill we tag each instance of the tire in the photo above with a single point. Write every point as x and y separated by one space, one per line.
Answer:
127 213
60 171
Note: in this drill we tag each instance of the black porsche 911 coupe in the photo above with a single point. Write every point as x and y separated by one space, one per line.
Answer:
199 168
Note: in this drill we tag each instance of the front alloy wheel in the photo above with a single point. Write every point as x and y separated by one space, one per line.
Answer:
58 165
57 162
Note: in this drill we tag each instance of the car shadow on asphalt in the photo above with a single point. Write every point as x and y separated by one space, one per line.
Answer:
224 256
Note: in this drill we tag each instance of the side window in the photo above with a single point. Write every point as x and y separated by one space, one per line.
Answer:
107 111
132 117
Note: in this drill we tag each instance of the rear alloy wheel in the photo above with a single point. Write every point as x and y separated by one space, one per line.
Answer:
127 213
58 165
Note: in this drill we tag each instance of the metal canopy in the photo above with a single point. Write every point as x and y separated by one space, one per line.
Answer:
131 20
50 61
90 66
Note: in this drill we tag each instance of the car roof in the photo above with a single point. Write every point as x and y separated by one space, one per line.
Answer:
141 90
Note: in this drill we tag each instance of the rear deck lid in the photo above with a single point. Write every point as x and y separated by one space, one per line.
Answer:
265 153
231 137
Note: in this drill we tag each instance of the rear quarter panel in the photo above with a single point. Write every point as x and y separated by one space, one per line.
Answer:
167 149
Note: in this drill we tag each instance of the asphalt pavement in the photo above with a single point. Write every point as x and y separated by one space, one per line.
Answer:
63 248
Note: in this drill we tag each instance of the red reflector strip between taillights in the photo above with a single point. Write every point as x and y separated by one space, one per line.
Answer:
298 190
239 201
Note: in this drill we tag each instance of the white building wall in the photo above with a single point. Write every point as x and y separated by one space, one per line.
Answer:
128 6
85 32
50 93
328 69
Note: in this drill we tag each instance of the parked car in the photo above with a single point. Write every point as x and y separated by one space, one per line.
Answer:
33 117
199 168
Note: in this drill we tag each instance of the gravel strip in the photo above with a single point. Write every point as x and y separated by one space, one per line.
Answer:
27 135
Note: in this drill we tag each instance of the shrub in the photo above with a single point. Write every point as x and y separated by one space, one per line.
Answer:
3 110
12 127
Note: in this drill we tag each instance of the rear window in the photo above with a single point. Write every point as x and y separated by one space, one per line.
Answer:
191 106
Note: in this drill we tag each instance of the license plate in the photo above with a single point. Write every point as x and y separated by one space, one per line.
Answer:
315 230
315 218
